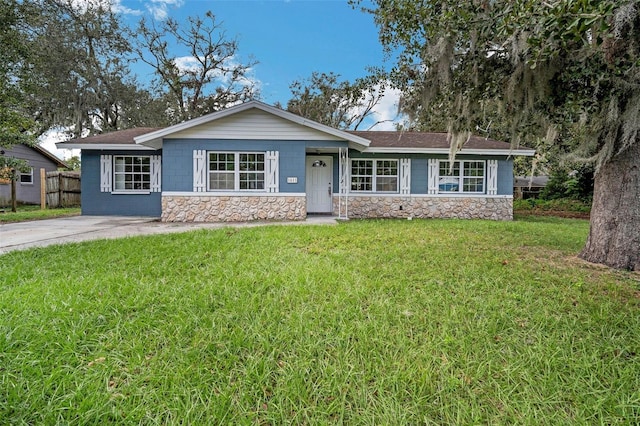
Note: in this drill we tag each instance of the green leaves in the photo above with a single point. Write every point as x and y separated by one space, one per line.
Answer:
523 64
11 167
567 22
339 104
14 123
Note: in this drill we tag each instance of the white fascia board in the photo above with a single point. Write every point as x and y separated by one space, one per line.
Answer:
104 146
357 147
446 151
154 139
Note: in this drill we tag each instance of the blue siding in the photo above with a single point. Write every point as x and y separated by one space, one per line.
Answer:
177 173
99 203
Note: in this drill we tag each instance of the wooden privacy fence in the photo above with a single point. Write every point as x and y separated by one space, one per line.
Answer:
62 189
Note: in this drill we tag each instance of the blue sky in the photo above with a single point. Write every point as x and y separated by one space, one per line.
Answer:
290 39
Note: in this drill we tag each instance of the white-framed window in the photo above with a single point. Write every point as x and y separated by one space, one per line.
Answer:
26 178
131 173
236 171
374 175
123 174
464 177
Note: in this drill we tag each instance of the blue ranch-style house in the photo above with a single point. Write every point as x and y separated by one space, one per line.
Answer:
257 162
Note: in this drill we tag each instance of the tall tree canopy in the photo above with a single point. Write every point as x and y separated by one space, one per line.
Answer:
77 68
14 121
339 104
564 72
15 124
208 78
66 64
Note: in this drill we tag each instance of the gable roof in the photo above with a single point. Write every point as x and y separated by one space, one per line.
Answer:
154 139
50 156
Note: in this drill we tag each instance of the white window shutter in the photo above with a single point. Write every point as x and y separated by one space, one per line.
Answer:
272 171
199 170
106 173
492 177
156 173
405 176
433 176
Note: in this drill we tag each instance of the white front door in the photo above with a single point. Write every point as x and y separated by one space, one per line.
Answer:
318 187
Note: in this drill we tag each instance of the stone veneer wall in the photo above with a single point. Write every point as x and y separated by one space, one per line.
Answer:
232 208
371 206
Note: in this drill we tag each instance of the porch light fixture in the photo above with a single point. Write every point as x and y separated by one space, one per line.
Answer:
319 163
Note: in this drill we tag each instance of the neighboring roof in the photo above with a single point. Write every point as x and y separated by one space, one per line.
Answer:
120 139
530 181
154 139
420 142
50 156
42 151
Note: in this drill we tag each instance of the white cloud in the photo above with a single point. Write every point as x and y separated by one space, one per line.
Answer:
160 8
48 141
115 5
384 115
119 8
187 63
190 63
386 111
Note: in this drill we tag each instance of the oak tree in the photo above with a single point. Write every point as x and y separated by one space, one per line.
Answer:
78 74
15 123
562 74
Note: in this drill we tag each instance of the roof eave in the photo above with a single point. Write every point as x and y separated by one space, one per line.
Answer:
50 156
104 146
446 151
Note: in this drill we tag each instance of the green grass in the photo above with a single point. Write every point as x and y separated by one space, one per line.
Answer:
367 322
28 212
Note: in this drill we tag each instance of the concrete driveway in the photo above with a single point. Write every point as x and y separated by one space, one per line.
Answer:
40 233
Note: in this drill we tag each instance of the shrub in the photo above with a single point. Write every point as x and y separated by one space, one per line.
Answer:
555 205
574 183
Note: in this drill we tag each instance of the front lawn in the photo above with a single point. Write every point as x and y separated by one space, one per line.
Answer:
30 212
366 322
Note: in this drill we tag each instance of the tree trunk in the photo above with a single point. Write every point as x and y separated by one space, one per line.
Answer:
614 237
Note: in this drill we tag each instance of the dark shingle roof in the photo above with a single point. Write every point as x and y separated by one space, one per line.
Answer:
424 140
379 139
118 137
